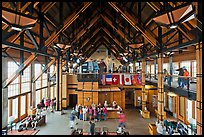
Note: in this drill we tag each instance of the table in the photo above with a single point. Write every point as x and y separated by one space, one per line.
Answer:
113 113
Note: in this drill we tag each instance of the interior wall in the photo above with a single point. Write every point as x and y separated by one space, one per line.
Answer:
101 53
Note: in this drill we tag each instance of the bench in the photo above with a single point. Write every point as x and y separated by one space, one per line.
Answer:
40 122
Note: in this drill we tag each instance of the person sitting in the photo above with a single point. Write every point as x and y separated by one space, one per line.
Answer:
34 122
159 127
180 128
27 121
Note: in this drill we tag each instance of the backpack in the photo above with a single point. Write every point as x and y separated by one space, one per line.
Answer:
20 128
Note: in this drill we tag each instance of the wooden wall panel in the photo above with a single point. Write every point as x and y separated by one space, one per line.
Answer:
95 98
80 98
80 85
90 96
117 98
105 96
95 85
88 85
123 99
72 79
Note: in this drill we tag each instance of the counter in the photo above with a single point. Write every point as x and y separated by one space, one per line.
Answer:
113 113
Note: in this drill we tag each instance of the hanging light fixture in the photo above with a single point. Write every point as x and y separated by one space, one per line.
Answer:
18 21
173 18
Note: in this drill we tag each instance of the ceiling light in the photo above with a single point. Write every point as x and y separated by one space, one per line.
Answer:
173 26
16 28
125 54
18 21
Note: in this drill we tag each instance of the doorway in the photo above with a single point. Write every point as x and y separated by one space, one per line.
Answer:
72 100
129 99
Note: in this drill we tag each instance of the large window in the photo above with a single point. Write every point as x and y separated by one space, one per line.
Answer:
9 103
15 107
44 80
14 87
28 100
23 105
37 71
44 93
37 97
25 79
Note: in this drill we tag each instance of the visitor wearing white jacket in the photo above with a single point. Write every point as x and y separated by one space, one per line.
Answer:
84 110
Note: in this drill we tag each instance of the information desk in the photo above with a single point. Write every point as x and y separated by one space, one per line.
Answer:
113 113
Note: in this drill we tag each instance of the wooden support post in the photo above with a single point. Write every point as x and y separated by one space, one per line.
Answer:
59 83
155 67
33 86
160 109
143 85
199 88
171 68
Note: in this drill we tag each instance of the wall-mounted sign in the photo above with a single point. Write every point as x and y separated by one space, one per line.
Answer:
87 99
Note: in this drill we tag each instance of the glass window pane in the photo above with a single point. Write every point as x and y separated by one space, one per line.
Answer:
23 105
15 107
37 97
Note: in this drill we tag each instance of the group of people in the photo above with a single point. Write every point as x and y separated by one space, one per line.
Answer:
32 120
85 113
182 81
46 104
170 127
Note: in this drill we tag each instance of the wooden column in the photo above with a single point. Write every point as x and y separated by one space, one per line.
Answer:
59 84
160 109
33 86
143 85
199 88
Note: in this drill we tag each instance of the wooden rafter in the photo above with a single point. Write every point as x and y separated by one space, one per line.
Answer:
132 21
67 22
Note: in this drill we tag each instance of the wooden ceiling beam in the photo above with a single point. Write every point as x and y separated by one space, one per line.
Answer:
134 23
67 22
117 30
116 40
87 40
83 31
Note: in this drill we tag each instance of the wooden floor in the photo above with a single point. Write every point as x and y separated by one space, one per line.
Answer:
24 132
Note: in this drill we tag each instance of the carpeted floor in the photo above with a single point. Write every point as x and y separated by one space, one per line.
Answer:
24 132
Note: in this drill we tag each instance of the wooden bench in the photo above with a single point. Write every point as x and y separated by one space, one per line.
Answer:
40 122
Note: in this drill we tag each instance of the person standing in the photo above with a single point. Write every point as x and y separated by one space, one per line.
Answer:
121 120
90 113
180 79
99 113
81 113
84 109
186 79
46 104
72 117
105 113
159 128
92 127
